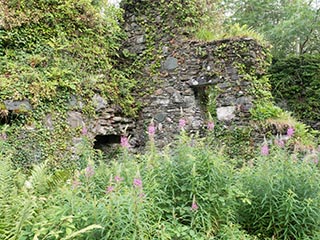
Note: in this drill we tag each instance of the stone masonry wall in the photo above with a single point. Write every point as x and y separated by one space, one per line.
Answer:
180 84
187 69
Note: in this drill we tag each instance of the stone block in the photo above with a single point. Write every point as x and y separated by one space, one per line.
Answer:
14 105
170 63
226 113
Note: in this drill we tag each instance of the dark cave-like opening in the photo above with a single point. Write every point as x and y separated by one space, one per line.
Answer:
105 142
7 117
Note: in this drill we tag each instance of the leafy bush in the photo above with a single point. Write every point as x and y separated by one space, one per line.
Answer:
296 84
284 198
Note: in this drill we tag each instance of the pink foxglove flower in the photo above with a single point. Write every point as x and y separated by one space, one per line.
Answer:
151 130
89 171
210 126
84 131
194 206
3 136
279 143
118 178
109 189
75 184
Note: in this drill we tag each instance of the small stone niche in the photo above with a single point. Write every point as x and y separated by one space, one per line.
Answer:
107 143
7 117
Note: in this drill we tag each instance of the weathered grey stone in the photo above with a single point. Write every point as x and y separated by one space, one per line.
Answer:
229 100
165 50
13 105
170 63
160 117
170 90
177 98
162 101
99 102
140 39
75 119
244 100
74 102
104 122
117 119
226 113
189 101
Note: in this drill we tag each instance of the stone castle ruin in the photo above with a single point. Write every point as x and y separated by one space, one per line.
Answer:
187 68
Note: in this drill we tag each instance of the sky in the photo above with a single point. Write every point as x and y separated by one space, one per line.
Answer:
114 2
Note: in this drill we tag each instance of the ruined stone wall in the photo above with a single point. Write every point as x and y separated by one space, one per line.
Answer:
187 69
180 74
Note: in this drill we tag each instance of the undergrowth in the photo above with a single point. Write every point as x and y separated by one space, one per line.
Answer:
190 191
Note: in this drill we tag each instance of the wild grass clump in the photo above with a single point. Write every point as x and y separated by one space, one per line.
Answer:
189 191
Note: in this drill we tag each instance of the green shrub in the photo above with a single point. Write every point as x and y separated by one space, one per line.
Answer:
284 198
296 84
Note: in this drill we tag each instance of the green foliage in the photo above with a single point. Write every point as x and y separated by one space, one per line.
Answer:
290 26
236 143
51 53
53 50
295 81
265 110
283 204
189 191
232 31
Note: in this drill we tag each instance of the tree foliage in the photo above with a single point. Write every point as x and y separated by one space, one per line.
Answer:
291 26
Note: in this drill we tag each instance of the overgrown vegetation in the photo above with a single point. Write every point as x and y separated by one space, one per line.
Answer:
296 86
58 55
52 52
191 191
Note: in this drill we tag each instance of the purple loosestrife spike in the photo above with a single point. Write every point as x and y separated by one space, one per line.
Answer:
151 130
137 182
118 178
265 150
290 132
89 171
84 131
210 126
109 189
182 123
194 206
125 142
279 143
